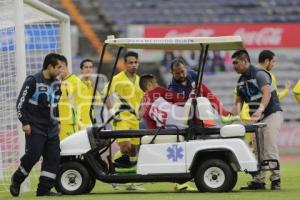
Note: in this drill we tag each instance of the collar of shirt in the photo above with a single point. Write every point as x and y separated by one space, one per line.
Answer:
247 73
46 81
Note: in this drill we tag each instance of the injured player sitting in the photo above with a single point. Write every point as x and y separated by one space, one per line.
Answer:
161 107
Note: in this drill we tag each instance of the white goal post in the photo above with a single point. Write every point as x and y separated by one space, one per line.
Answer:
29 29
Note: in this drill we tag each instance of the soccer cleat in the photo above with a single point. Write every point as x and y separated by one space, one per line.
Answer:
254 186
229 118
122 163
14 189
126 169
116 186
133 187
184 188
275 185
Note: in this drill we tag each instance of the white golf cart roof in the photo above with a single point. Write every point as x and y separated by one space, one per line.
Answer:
179 43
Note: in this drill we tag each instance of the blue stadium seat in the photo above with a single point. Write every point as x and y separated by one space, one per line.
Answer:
127 12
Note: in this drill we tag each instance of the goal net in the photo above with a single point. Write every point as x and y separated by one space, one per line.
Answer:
43 30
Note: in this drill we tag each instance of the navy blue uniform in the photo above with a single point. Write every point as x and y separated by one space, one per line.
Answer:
184 90
249 88
37 107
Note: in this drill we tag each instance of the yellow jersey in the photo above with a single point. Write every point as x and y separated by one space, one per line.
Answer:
296 91
130 91
72 93
84 109
280 94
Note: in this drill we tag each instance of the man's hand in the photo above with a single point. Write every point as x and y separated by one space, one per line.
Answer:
27 129
288 85
229 118
111 112
257 115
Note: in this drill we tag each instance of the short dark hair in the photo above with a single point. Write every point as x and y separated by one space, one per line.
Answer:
241 54
63 59
129 54
177 62
84 61
265 54
51 59
144 79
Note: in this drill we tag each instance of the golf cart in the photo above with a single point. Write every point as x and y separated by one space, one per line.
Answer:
210 156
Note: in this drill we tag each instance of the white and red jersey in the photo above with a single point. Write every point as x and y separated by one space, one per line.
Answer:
151 96
160 107
165 113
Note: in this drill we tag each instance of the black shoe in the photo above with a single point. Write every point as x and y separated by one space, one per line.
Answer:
49 194
14 189
254 186
124 162
275 185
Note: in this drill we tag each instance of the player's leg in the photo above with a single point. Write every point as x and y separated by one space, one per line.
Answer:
34 148
274 122
122 157
50 165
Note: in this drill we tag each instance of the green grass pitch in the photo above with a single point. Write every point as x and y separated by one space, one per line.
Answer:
164 191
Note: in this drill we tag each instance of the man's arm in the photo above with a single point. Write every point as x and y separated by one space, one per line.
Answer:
264 81
296 91
285 91
109 103
231 117
171 96
26 92
237 105
173 88
263 104
143 108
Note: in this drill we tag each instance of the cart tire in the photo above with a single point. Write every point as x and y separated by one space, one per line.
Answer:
91 185
72 178
234 181
215 175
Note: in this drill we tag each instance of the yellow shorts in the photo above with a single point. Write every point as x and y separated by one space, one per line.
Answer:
67 130
124 125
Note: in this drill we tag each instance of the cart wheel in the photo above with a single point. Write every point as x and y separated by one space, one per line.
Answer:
72 178
234 181
215 175
91 185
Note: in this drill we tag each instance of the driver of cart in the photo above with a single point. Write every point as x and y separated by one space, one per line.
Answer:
125 85
183 82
